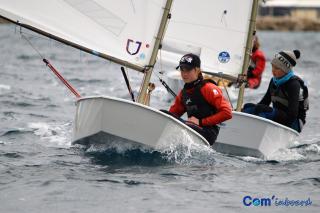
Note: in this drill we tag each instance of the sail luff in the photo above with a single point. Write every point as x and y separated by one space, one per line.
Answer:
160 34
77 46
254 11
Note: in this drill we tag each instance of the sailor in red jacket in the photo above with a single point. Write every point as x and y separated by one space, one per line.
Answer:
201 99
257 65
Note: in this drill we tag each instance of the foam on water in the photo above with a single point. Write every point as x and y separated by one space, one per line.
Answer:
286 155
315 148
305 152
176 150
56 134
4 87
189 154
184 151
251 159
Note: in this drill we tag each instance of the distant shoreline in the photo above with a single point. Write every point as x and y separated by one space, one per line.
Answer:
3 21
273 24
287 24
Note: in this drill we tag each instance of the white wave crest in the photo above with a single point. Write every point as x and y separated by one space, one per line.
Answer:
287 155
313 148
5 87
56 134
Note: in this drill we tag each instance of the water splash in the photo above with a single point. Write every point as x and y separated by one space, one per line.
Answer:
189 154
119 152
55 134
283 155
315 148
297 152
251 159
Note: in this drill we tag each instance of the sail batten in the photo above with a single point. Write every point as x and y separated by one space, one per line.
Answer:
121 31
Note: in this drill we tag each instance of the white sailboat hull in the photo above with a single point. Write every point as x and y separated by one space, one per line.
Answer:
106 119
102 120
245 134
251 135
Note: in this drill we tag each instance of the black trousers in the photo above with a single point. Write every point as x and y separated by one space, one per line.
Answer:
210 133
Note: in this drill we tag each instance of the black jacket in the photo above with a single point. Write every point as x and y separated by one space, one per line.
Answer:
288 110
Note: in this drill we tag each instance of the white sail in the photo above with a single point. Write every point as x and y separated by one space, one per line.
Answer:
123 29
216 30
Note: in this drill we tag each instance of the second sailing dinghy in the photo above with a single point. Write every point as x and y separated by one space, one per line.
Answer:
130 33
220 32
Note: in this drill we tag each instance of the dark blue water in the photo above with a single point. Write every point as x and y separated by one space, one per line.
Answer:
41 172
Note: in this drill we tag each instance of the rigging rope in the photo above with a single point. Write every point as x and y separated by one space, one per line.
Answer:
64 81
166 86
25 38
225 88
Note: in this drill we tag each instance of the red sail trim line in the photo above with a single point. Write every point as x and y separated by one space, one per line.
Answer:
64 81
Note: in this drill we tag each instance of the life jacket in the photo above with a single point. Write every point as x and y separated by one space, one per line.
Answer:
195 104
279 96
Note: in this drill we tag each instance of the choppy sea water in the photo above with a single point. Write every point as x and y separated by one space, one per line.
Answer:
41 172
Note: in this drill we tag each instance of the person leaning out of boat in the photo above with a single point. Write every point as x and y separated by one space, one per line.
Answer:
257 65
201 99
286 91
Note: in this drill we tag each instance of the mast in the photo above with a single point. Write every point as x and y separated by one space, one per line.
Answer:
254 11
148 71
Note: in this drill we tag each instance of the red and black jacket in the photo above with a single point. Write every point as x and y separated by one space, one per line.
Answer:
203 100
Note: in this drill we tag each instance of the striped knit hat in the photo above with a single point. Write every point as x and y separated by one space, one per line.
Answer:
285 60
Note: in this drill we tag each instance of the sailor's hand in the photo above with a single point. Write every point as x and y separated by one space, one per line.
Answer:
194 120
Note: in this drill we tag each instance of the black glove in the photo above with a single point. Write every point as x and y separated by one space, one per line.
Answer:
262 108
250 73
248 105
249 108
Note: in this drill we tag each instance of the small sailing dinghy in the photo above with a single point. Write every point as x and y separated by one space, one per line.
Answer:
130 33
220 33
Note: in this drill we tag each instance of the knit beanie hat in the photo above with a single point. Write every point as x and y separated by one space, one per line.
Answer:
285 60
